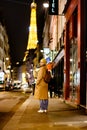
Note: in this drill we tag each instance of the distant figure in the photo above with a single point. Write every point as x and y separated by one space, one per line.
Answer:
51 86
41 88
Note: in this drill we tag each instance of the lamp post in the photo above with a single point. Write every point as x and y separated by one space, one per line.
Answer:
46 6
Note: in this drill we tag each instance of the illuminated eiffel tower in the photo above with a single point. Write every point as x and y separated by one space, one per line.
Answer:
32 38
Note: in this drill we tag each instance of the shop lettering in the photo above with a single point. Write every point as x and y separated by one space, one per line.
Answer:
53 7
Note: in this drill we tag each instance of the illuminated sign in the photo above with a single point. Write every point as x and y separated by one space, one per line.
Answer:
53 7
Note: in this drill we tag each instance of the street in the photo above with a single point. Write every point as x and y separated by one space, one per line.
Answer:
18 111
10 101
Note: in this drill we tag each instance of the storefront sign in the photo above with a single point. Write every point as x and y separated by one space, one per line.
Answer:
53 7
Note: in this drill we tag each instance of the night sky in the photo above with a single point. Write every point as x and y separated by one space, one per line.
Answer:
15 16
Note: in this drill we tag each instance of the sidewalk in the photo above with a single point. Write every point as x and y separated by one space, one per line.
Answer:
60 116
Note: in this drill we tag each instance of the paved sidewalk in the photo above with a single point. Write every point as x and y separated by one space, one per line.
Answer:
60 116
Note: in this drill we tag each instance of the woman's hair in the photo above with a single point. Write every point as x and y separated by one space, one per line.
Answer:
43 61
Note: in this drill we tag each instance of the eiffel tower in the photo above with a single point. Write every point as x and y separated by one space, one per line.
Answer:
32 37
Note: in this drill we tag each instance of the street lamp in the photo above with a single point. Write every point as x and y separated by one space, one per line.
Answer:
46 5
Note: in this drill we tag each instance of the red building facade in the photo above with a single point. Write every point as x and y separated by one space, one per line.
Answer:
75 87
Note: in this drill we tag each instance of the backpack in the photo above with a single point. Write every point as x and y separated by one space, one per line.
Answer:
47 77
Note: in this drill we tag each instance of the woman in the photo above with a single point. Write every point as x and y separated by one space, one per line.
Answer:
41 89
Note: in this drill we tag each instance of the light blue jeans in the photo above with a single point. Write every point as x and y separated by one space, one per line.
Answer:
44 104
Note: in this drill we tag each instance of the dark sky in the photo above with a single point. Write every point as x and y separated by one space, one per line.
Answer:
15 15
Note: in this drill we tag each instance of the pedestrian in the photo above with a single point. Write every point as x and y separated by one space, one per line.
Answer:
41 88
51 86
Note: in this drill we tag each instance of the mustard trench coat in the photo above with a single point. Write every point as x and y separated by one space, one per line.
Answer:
41 88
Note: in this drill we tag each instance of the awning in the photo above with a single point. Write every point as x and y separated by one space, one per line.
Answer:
58 57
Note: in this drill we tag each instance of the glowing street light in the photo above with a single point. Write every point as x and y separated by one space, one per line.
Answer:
46 5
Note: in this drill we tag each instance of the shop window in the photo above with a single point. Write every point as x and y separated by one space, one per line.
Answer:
74 75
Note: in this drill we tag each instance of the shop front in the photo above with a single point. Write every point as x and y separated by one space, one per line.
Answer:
73 72
71 58
75 89
58 68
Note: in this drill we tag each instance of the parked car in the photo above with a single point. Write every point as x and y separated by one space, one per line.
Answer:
2 85
17 84
8 86
26 88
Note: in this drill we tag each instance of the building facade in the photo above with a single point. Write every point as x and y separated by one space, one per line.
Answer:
75 53
70 62
4 51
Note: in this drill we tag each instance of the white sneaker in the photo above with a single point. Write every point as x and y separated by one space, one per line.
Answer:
40 111
45 111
